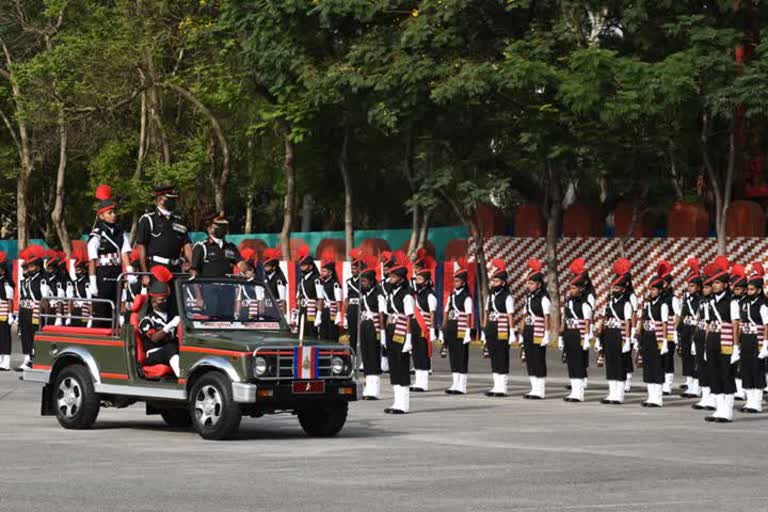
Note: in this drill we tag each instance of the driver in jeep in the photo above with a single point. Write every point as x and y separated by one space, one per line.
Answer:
158 331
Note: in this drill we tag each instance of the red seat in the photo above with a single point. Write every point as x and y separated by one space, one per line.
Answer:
66 329
154 371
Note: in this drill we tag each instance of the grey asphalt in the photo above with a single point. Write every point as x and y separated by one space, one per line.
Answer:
452 453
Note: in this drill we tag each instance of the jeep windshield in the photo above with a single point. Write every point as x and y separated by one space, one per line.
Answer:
230 304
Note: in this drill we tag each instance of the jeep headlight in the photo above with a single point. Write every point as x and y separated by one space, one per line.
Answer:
337 365
260 366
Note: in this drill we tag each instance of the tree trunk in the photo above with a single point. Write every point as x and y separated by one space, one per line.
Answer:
483 287
141 155
349 239
424 230
408 171
290 191
249 192
722 196
57 216
414 239
632 222
554 212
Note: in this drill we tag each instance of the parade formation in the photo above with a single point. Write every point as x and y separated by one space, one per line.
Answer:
715 320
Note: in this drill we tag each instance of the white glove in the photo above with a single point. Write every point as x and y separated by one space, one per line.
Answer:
664 347
585 342
122 320
560 343
408 345
340 319
693 349
763 351
467 336
346 323
482 336
383 337
512 336
520 339
93 286
11 319
170 326
635 344
441 336
68 321
674 336
736 354
545 339
626 346
57 322
598 345
318 319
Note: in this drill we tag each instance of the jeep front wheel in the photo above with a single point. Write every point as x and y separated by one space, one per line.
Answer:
215 415
324 421
77 404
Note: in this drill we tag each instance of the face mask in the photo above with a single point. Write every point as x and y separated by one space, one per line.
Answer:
170 204
497 288
219 232
162 307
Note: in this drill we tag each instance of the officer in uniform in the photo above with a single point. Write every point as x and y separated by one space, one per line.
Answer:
739 290
308 293
80 289
6 313
686 329
426 307
498 331
56 286
215 256
162 237
575 335
653 340
275 279
372 306
698 348
330 300
108 249
674 305
753 346
158 324
33 289
352 300
535 335
457 331
722 350
399 336
616 332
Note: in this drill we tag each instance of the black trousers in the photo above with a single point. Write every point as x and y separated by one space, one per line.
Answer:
310 331
458 352
162 355
701 365
752 368
399 361
685 338
420 351
722 374
497 349
668 359
5 338
574 354
535 355
370 348
328 328
28 330
653 369
352 318
613 340
107 286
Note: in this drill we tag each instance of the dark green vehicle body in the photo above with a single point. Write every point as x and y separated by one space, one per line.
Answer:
110 355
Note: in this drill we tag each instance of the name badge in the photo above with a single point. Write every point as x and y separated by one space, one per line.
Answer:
229 254
179 228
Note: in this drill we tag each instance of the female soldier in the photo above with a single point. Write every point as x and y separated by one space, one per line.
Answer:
498 332
616 332
577 317
653 340
535 336
372 306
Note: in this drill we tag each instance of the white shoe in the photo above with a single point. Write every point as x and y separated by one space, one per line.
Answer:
503 384
694 390
454 383
740 395
718 407
619 396
421 381
541 384
585 382
462 381
726 413
384 364
5 363
532 392
577 391
396 397
628 383
709 399
372 387
496 385
405 399
666 388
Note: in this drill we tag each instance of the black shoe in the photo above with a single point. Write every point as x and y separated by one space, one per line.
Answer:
723 420
653 405
486 354
688 395
683 386
397 411
710 408
451 392
698 407
615 402
5 369
710 418
533 397
749 410
568 387
388 410
417 390
370 398
606 401
490 393
738 399
666 393
569 399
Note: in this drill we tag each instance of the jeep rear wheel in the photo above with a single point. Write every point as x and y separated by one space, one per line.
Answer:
214 414
176 418
77 404
323 421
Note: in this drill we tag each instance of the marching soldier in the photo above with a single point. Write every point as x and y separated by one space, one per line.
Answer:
399 336
738 288
6 313
616 332
629 366
55 285
275 279
698 348
215 256
372 332
456 331
330 300
535 335
308 293
352 300
653 340
722 350
80 289
426 306
498 329
578 268
161 235
753 346
575 333
108 249
674 305
686 329
33 289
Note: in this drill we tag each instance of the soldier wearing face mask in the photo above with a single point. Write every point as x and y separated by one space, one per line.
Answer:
215 257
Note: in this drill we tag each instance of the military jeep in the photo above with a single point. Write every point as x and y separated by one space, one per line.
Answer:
237 356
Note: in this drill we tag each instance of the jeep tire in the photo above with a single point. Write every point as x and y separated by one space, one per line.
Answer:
323 421
213 412
176 418
77 404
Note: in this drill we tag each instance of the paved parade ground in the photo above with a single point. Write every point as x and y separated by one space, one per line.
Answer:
464 453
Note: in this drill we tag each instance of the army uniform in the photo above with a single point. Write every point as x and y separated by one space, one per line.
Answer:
577 317
352 299
457 332
32 290
6 313
274 278
330 315
653 341
372 305
426 308
498 331
753 345
686 331
166 350
698 348
399 331
616 343
308 292
535 336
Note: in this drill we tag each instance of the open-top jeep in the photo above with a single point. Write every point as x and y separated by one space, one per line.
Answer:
237 356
